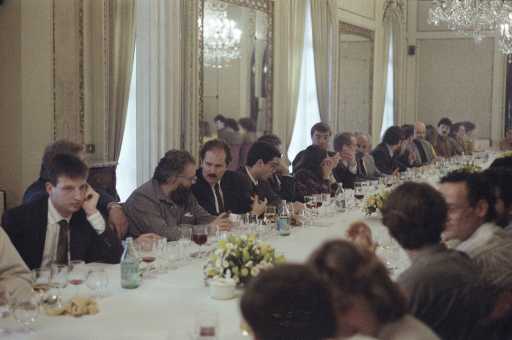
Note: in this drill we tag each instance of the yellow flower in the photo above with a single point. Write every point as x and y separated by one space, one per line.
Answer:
244 272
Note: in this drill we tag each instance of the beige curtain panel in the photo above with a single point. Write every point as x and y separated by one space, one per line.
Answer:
121 65
323 17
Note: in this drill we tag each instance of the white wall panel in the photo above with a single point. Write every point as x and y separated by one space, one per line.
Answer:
455 79
365 8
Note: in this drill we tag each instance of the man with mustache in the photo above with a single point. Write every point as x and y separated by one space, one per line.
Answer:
220 190
165 202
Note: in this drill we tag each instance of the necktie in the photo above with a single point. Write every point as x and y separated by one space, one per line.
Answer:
220 201
361 169
63 243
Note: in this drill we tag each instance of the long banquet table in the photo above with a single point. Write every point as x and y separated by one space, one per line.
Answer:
165 307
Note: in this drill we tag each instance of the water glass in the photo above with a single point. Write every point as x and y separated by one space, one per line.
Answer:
185 242
97 281
77 274
24 307
205 325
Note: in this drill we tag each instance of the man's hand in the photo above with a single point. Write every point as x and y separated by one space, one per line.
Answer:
117 219
258 207
222 222
281 169
91 201
347 156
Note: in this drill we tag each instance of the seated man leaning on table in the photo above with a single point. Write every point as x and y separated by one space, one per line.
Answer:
108 207
65 224
166 201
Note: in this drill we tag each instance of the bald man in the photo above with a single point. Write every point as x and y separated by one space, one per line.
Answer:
425 150
364 158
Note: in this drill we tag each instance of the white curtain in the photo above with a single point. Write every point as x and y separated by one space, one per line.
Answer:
393 22
288 47
389 97
159 75
307 108
324 25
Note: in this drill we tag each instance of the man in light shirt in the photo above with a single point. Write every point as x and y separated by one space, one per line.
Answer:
65 225
14 273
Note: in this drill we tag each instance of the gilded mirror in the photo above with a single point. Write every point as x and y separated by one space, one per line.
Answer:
235 63
356 51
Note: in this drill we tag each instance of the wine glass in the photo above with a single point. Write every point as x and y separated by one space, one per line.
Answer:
58 281
200 236
77 274
148 252
97 281
24 305
359 191
270 214
41 280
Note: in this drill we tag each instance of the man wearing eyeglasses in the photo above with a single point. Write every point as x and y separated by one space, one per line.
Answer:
165 202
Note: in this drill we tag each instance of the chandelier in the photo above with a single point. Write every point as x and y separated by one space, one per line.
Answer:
221 36
476 18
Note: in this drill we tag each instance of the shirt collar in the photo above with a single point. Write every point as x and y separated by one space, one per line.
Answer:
54 216
391 153
254 181
481 236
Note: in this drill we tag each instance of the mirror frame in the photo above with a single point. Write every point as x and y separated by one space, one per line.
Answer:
346 28
265 6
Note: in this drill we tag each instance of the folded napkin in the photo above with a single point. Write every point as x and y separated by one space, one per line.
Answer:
78 306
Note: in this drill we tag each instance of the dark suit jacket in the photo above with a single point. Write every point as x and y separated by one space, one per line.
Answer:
296 163
284 186
383 160
343 175
26 227
235 191
37 190
263 190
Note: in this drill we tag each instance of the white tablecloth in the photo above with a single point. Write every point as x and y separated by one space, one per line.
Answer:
165 307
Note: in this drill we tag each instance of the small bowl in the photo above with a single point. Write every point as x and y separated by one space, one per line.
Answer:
222 289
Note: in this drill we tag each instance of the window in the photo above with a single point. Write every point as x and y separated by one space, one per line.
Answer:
308 113
389 105
126 172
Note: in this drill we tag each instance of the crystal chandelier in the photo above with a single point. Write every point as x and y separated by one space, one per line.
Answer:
476 18
221 36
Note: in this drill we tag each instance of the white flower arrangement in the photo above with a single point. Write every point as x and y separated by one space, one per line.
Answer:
375 202
241 258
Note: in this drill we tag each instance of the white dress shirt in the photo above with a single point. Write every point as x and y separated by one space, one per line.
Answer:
486 233
53 228
253 180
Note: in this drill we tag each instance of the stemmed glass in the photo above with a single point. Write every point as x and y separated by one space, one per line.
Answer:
200 237
148 252
59 279
206 325
359 192
309 202
77 274
185 242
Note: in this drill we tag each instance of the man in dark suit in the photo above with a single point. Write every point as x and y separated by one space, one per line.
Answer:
63 225
347 171
320 136
262 161
220 190
281 182
107 205
385 154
